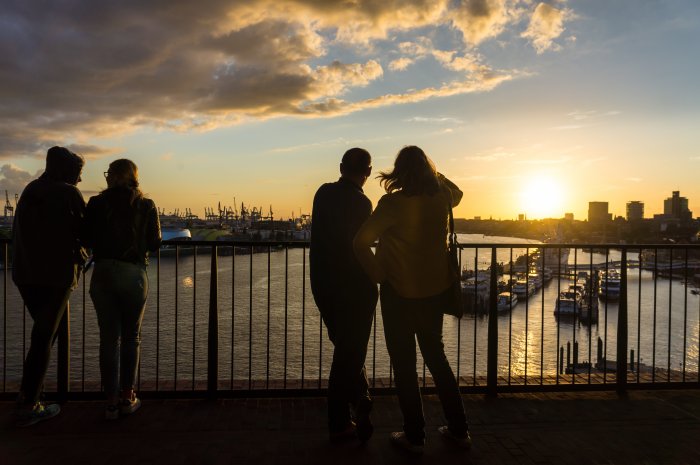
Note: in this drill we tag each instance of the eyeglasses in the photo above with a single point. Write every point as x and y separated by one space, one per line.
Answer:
106 173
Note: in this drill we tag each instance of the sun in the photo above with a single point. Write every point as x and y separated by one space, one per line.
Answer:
542 196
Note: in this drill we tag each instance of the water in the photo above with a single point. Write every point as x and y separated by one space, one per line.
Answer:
264 335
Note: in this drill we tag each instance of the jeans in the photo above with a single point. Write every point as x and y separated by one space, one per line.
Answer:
349 325
404 321
118 290
47 306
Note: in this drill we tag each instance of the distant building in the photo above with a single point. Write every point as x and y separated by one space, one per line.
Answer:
569 216
677 207
521 217
635 210
477 218
598 212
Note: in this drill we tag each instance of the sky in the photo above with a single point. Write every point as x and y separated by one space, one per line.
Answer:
531 107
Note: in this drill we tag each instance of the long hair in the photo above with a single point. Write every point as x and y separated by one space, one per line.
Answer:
413 174
125 174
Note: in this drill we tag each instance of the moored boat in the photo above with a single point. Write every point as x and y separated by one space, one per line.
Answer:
568 303
609 285
506 301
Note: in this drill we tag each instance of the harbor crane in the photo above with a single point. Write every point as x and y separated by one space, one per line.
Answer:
9 209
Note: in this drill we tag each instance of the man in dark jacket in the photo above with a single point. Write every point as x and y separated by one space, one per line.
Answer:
47 261
344 294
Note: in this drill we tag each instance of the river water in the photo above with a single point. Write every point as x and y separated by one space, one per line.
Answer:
272 330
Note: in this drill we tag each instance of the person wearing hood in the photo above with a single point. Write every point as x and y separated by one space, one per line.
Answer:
46 264
121 227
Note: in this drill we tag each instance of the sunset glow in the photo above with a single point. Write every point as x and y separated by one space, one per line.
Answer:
542 197
257 100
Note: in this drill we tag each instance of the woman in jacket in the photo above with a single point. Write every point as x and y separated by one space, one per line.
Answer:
411 264
122 226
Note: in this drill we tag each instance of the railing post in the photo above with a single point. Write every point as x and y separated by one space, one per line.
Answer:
213 336
63 357
492 360
621 370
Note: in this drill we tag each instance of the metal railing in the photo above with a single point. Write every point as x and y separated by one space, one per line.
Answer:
246 324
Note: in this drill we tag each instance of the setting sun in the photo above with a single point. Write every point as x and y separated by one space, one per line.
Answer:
542 196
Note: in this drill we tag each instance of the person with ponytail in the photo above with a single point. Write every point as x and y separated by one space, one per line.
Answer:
411 266
121 228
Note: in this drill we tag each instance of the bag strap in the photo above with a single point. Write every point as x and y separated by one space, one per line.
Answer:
451 235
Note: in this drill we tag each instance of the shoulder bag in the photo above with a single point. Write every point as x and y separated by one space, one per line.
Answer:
453 304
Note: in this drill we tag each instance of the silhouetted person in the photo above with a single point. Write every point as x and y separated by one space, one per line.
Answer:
411 263
121 227
46 264
344 294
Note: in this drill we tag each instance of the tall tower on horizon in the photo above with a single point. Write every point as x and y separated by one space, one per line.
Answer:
598 212
635 210
677 207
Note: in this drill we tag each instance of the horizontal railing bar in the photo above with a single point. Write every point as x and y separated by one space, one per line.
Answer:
315 392
464 245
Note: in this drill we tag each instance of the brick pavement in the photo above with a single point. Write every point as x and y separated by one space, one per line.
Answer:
645 428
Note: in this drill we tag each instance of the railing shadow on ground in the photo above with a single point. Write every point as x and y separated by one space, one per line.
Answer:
248 326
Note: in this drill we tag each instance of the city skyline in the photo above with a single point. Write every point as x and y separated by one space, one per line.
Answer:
530 107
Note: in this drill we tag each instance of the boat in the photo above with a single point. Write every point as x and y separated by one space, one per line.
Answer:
476 291
523 287
536 278
609 285
176 234
568 303
506 301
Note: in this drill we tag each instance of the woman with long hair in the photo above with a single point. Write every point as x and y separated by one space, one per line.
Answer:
411 265
121 227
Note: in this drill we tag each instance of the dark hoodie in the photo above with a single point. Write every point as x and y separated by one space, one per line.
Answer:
47 224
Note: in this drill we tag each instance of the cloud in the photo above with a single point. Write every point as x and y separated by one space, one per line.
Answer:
546 24
443 120
91 152
584 116
75 72
495 156
633 179
545 161
312 145
422 47
479 20
401 64
14 179
567 127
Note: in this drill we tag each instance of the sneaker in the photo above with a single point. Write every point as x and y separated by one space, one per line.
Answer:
365 429
464 441
112 412
350 432
129 406
399 439
38 412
